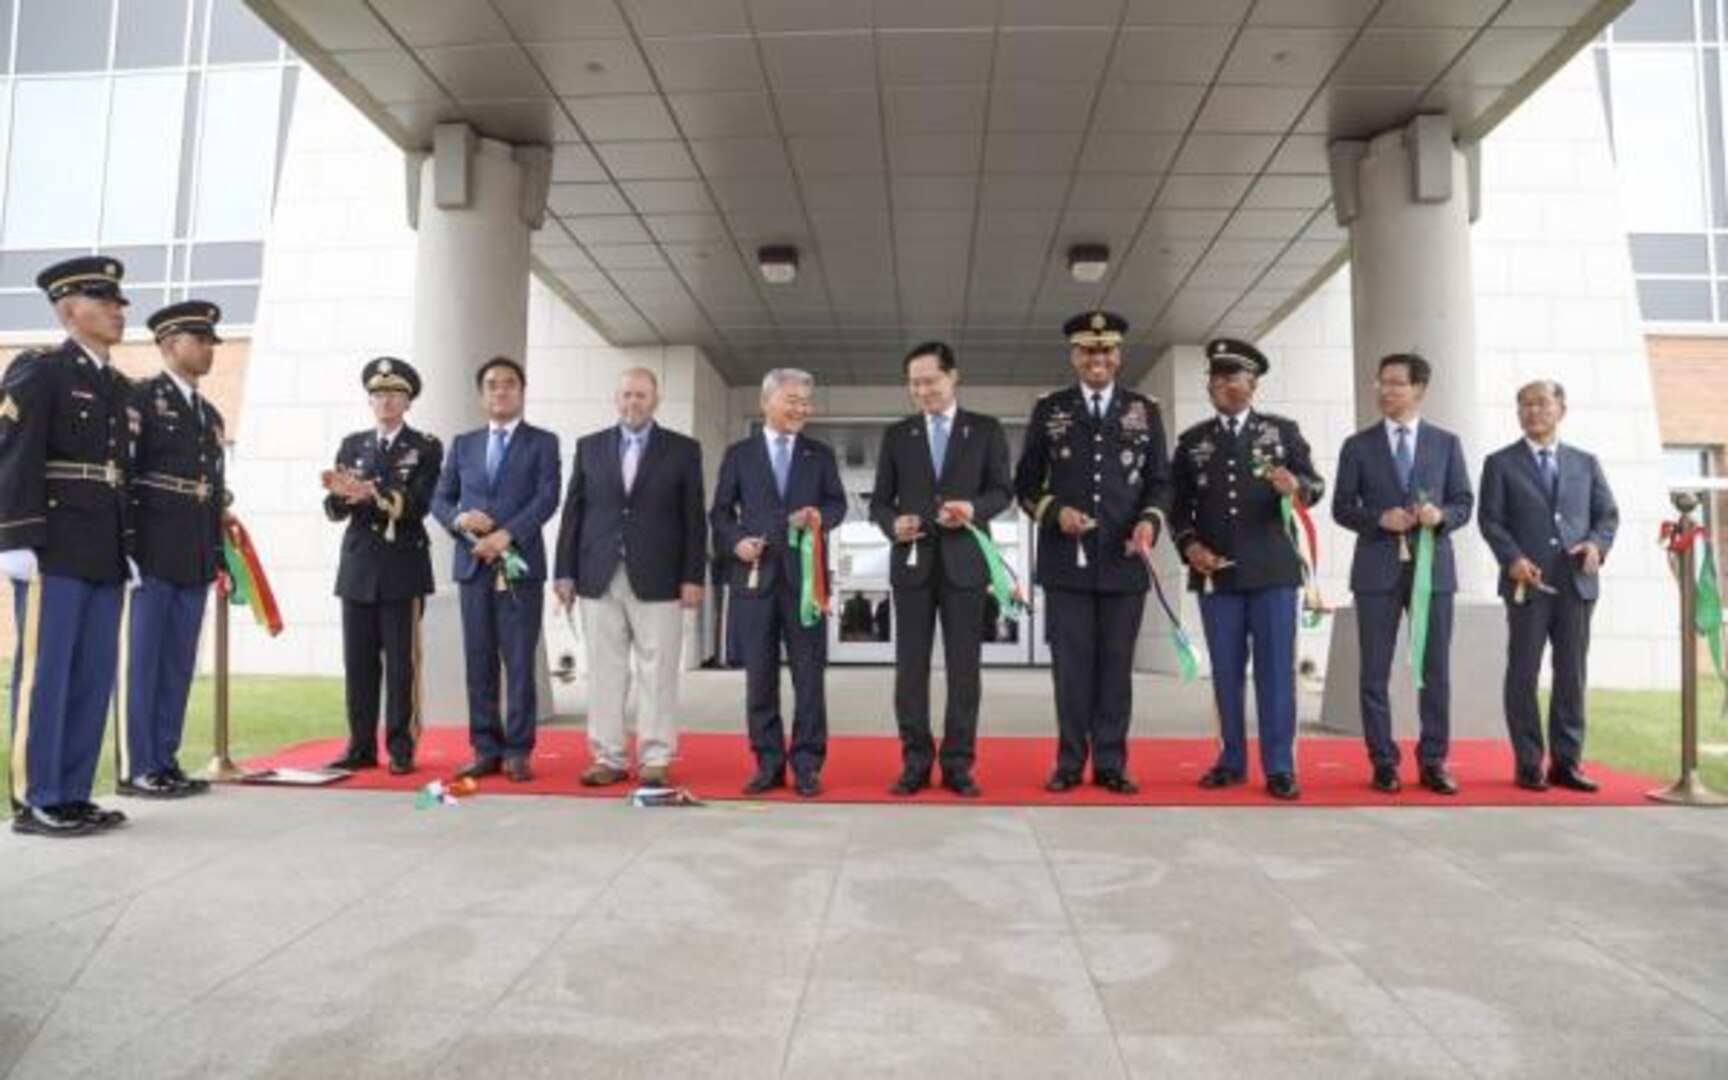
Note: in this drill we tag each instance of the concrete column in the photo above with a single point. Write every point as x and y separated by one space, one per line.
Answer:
474 202
1408 197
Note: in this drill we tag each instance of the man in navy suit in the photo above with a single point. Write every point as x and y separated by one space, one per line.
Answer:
632 546
1395 477
1550 519
498 489
940 469
770 484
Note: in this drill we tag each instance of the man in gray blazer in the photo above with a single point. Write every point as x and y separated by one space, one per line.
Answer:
1547 513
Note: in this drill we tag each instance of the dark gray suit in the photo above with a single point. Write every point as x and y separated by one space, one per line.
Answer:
1367 487
1522 518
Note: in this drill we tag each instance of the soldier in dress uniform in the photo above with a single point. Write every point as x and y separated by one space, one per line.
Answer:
382 486
1231 472
65 428
1094 475
177 497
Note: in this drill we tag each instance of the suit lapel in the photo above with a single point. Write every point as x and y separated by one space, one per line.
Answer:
610 463
763 466
653 452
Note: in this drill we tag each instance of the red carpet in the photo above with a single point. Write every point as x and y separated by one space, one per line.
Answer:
1011 770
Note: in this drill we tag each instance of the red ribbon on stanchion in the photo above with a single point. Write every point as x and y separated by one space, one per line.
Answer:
247 583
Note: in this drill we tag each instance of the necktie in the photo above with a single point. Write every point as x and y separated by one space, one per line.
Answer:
383 446
1230 425
938 442
782 462
494 454
632 458
1550 475
1402 457
197 409
1097 405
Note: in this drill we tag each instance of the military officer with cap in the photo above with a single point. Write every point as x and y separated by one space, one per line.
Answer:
1231 473
1094 475
65 428
382 486
177 499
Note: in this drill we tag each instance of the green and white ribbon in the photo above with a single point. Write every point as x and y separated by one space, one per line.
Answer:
1421 594
1003 584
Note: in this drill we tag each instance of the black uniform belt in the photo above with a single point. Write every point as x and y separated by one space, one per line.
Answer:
177 485
106 472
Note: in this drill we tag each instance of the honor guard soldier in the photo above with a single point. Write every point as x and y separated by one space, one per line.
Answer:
1094 475
382 486
65 428
178 494
1231 474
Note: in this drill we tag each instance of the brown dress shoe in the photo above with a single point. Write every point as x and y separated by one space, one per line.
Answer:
601 774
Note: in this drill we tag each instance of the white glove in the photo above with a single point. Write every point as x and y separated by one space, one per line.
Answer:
133 577
19 564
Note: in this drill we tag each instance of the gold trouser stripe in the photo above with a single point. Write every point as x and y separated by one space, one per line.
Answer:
123 691
414 675
29 642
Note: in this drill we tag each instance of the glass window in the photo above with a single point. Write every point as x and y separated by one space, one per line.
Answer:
63 35
1674 301
237 35
1669 253
237 154
18 268
58 122
227 262
143 263
1656 20
1658 148
239 303
25 311
152 33
144 131
5 35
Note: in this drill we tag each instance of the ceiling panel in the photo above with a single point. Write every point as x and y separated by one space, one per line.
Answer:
932 160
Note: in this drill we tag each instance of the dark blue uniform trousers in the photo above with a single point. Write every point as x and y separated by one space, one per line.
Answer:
1377 616
161 655
1092 636
62 675
1261 622
764 623
501 628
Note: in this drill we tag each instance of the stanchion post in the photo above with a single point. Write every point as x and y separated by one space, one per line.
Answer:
1689 789
222 768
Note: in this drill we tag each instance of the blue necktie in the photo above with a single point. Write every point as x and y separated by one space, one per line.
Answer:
1550 475
938 442
782 462
494 454
1402 458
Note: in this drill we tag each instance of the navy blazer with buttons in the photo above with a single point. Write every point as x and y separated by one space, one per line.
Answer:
521 499
1519 520
748 503
654 529
1368 486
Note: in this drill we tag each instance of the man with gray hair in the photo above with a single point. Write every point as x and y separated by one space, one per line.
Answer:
1550 519
778 497
630 544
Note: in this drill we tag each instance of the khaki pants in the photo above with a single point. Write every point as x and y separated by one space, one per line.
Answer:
619 628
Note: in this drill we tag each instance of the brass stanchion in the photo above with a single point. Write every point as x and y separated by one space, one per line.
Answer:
222 768
1689 789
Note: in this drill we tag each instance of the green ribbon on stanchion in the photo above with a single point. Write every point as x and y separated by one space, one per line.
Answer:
1004 586
1421 594
812 565
1707 614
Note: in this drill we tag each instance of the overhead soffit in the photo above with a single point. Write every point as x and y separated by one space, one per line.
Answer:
932 160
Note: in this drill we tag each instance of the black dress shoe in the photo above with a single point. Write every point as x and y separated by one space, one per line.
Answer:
962 784
1060 782
479 767
36 821
353 763
1436 779
194 785
1283 786
807 784
911 782
95 815
765 780
516 770
1116 783
1568 777
1218 776
401 766
149 786
1530 779
1386 779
